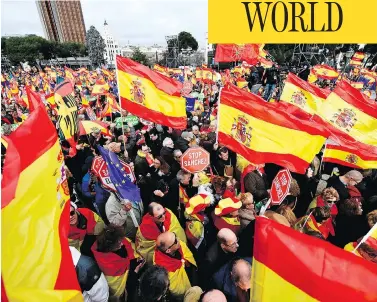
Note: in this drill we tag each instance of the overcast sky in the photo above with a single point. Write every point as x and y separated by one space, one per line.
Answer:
141 22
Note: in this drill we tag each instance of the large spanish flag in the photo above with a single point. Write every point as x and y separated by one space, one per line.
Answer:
36 261
350 157
262 133
290 266
302 94
346 109
325 72
150 95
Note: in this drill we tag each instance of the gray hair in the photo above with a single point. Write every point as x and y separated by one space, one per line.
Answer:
181 174
355 175
241 271
176 152
167 141
195 128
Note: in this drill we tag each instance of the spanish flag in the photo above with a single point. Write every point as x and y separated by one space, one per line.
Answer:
358 56
198 74
263 134
346 110
356 63
113 104
290 266
325 72
87 127
312 78
208 76
302 94
150 95
36 261
70 74
160 69
242 83
349 157
100 87
357 85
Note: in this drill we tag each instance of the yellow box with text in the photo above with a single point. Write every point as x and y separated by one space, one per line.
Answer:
338 21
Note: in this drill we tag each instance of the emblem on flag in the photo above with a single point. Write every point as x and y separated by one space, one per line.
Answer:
137 92
352 158
344 118
298 98
240 130
238 51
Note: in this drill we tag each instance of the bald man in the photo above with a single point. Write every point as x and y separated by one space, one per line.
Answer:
233 279
214 295
173 254
220 252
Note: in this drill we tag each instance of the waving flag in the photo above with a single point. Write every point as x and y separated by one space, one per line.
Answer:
36 261
347 110
312 269
160 69
67 123
235 52
125 188
150 95
263 134
302 94
325 72
87 127
349 157
100 87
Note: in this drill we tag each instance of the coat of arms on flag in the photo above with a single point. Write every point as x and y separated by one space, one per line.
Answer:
240 130
137 92
345 118
299 99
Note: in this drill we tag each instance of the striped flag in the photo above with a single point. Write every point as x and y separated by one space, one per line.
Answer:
87 127
325 72
299 267
302 94
150 95
262 133
349 157
100 87
347 110
36 261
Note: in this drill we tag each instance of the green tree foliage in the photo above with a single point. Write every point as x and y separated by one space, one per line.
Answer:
186 40
96 46
140 57
31 48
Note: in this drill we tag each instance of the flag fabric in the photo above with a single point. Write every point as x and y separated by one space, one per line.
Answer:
36 261
235 52
357 85
349 157
113 104
125 188
70 74
150 95
312 78
355 62
358 56
302 94
87 127
100 87
263 134
347 110
299 267
160 69
242 83
207 76
67 122
325 72
190 104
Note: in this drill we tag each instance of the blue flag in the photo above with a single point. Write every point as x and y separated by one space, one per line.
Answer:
125 188
190 104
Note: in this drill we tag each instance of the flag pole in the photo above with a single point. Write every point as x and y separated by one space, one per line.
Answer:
218 116
373 229
121 113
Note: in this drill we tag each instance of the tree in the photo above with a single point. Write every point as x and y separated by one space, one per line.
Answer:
140 57
186 40
28 48
96 46
70 49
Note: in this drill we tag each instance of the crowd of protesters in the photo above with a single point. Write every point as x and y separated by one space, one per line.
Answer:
191 238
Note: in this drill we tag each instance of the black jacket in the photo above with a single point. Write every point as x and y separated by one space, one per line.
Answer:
181 144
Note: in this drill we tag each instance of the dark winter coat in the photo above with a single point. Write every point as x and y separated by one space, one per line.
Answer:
256 185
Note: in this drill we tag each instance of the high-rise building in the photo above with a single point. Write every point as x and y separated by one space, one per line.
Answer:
112 48
62 21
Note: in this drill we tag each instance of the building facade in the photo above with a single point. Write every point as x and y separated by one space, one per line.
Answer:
112 48
154 53
62 21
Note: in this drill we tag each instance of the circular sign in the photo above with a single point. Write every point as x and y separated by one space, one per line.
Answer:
195 159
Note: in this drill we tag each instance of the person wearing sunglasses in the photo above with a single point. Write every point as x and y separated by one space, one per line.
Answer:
82 222
156 221
173 254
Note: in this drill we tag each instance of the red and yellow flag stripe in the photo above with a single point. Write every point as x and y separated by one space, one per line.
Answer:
328 274
350 157
31 227
87 127
262 133
150 95
346 110
302 94
325 72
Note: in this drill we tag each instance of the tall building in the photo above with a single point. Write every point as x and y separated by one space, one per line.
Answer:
62 20
112 48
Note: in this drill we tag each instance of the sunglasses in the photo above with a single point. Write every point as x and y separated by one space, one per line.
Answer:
175 241
160 216
71 213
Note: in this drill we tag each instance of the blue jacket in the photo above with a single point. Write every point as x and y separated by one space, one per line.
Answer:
101 194
222 281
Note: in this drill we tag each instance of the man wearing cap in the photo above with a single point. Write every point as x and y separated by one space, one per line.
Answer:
226 214
173 254
156 221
